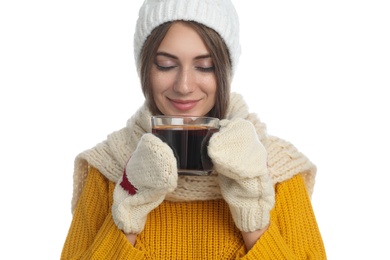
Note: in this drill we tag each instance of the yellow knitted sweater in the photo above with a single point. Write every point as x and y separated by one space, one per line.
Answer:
192 230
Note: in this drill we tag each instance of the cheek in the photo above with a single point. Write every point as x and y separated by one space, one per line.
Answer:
154 82
209 85
160 82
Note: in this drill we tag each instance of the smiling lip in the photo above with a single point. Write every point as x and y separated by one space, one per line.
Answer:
183 105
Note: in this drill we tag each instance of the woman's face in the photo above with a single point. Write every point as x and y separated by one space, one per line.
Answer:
182 77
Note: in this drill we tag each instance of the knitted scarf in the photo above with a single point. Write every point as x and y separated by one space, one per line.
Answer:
110 157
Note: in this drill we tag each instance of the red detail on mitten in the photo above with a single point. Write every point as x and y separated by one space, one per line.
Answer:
126 184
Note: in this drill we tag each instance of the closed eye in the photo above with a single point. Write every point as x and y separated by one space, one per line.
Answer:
206 69
164 68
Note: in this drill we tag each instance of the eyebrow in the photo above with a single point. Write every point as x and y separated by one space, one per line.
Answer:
205 56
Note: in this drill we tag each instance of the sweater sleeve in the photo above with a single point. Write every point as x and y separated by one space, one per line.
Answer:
293 232
93 233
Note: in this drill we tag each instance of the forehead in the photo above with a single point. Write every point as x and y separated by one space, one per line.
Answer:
183 39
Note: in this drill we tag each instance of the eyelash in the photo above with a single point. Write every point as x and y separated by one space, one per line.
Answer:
208 69
162 68
202 69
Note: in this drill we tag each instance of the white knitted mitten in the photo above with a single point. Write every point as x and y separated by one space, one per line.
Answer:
241 162
150 174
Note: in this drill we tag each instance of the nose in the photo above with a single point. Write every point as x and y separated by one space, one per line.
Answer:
185 82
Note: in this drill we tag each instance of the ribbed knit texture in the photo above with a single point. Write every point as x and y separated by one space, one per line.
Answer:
192 230
150 174
219 15
241 161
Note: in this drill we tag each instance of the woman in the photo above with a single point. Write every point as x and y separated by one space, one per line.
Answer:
130 203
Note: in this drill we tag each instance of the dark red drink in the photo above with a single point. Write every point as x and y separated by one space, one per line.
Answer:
189 143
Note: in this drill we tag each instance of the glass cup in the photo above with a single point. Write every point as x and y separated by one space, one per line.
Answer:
188 137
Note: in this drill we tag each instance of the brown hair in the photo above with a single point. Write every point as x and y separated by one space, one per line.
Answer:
218 51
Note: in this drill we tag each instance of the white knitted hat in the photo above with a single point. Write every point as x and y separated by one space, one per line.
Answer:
220 15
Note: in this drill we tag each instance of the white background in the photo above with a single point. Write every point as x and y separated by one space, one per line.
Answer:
317 72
